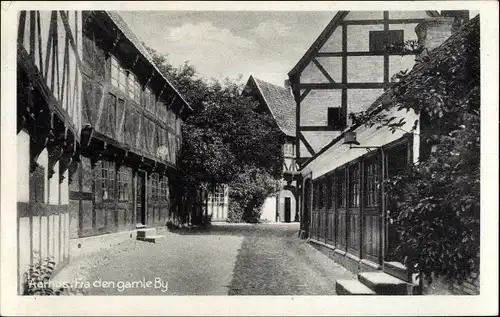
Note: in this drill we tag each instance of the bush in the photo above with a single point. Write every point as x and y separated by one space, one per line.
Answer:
37 280
438 207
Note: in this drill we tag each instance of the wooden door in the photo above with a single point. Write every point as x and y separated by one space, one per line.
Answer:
104 217
140 198
331 201
341 214
307 206
288 209
372 224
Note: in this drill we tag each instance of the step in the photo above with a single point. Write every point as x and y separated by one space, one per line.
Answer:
383 283
146 232
352 287
150 238
397 270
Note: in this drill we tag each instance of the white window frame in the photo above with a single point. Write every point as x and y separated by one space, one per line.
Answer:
134 91
118 75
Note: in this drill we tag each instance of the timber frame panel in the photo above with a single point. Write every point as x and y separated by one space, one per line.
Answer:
302 89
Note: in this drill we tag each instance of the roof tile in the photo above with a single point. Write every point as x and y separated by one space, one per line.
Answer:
281 104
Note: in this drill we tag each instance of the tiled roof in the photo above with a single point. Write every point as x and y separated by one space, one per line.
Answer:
280 102
122 25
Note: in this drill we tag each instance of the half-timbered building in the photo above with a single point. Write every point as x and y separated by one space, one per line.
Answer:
49 87
131 133
348 69
278 102
98 133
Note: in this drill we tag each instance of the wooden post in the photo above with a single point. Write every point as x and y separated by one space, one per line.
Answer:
383 232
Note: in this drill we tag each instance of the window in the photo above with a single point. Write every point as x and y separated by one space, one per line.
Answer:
321 198
354 185
341 192
118 75
162 111
315 195
372 182
134 88
178 128
171 119
124 181
289 149
105 177
164 194
330 197
155 184
218 195
149 100
336 118
377 43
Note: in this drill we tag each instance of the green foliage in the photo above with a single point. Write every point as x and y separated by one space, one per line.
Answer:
435 203
37 280
437 207
248 192
225 139
221 140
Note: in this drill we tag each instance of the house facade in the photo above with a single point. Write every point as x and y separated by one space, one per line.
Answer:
278 101
49 87
131 135
347 70
99 131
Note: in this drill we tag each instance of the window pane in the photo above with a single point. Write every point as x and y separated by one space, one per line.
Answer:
354 186
341 194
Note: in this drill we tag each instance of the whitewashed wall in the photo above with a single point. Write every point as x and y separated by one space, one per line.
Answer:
339 154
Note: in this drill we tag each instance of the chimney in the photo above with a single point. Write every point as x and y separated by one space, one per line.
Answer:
434 31
460 16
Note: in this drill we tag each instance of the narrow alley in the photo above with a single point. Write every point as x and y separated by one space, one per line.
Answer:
227 259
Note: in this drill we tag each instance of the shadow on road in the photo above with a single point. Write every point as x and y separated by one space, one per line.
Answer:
241 229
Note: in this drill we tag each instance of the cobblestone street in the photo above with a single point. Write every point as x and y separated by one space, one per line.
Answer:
237 259
273 261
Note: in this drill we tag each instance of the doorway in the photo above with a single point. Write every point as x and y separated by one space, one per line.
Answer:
307 207
288 209
140 198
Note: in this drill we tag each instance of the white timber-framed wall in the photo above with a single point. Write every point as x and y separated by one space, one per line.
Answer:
48 131
346 69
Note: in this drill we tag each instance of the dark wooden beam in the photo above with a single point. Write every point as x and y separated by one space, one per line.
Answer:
320 128
307 145
304 94
65 21
381 21
344 86
367 53
386 52
323 70
343 105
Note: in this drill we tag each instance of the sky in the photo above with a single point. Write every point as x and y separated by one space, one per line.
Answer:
223 44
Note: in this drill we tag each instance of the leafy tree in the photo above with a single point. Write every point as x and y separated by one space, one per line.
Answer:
437 200
248 193
225 141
